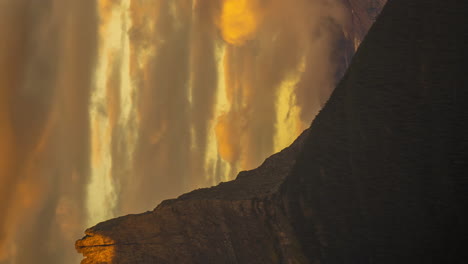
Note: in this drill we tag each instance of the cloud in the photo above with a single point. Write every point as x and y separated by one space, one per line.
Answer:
228 129
203 85
44 83
162 102
174 65
239 20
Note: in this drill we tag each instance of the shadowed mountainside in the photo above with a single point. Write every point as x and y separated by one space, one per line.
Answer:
380 177
383 178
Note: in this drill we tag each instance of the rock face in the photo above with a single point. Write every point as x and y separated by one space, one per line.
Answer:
380 177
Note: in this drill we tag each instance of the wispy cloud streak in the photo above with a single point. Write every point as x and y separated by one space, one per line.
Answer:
46 56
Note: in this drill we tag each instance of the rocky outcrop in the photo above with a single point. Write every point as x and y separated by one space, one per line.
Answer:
380 177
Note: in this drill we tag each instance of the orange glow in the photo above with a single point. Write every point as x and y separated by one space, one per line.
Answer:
239 21
99 248
227 135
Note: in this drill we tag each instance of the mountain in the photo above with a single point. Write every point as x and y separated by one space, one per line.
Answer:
379 177
383 175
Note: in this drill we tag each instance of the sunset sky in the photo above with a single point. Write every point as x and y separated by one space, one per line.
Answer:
109 107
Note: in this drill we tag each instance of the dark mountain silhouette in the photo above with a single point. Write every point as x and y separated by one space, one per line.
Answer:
380 177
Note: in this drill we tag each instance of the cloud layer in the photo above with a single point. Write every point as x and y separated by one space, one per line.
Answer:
47 55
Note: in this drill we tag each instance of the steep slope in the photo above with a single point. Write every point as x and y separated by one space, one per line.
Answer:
379 178
382 178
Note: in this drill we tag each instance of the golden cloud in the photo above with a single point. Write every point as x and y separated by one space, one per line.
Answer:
239 21
228 138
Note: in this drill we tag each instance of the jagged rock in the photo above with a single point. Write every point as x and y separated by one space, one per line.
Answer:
380 177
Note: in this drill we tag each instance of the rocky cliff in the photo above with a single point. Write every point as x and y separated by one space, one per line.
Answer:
380 177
